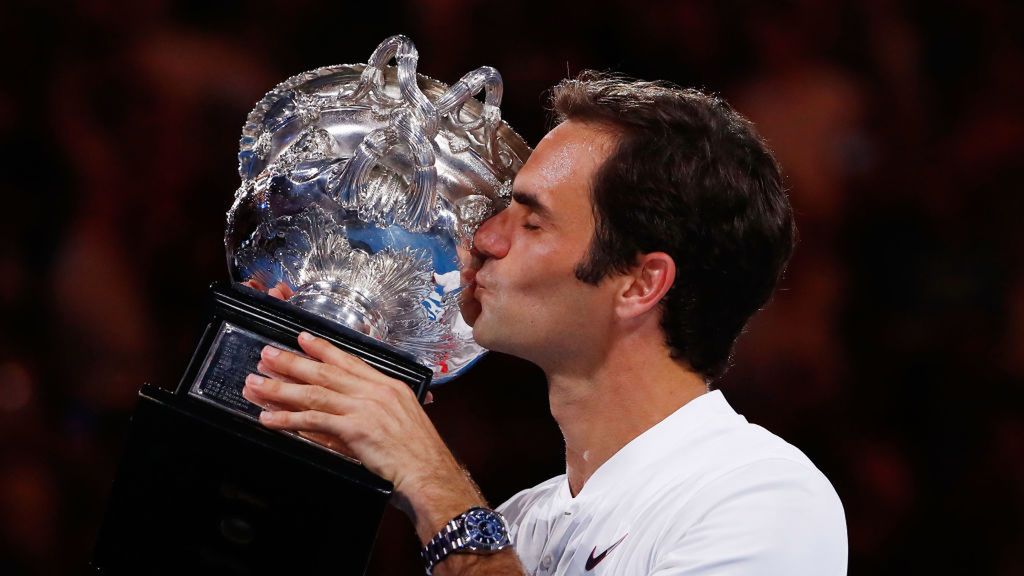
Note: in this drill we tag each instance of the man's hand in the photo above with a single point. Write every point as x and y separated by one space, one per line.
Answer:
343 403
281 291
338 400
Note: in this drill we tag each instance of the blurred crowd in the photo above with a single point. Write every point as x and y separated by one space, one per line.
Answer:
893 355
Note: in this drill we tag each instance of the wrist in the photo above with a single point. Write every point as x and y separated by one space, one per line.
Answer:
432 500
477 531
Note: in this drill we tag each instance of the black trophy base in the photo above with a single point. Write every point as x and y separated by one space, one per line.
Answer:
203 488
196 495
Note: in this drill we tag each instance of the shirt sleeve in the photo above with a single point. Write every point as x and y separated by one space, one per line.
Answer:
771 517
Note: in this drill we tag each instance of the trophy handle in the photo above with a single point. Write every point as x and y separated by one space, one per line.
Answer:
451 102
417 214
416 129
369 152
401 49
484 78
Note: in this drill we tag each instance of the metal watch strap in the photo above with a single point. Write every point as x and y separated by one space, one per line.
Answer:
446 541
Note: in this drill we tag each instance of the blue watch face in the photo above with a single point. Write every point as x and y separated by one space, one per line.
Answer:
485 528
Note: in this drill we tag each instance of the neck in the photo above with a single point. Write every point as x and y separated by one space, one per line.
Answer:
602 408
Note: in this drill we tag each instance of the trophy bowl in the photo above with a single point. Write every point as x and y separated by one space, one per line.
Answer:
361 184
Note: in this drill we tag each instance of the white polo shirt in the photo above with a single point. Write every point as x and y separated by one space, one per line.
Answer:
702 492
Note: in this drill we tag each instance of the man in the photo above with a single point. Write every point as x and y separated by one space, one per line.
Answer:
644 231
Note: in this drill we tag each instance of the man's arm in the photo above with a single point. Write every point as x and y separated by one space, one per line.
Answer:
343 403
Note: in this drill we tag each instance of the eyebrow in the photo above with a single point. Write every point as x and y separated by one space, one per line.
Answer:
532 202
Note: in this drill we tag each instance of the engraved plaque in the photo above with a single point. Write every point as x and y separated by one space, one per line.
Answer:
232 356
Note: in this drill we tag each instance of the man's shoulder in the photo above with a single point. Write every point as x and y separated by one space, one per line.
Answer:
773 513
754 486
744 443
777 475
720 441
736 454
734 489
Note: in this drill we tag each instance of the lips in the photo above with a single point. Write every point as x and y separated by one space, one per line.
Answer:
481 283
479 292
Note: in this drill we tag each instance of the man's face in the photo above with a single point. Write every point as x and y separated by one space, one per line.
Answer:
531 303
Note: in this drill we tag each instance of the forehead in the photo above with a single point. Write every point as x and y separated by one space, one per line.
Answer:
560 170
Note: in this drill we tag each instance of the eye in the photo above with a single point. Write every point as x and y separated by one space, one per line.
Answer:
529 226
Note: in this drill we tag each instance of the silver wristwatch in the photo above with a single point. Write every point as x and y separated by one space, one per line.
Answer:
477 531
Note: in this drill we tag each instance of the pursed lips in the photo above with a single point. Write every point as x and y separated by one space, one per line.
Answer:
479 282
483 291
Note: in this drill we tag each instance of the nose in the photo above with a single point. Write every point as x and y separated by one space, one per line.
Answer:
492 239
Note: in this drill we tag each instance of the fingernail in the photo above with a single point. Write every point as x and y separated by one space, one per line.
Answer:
254 380
305 337
261 367
266 416
270 351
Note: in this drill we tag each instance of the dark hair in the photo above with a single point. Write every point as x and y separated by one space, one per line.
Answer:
689 177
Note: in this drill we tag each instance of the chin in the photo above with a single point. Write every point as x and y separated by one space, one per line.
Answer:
488 336
482 336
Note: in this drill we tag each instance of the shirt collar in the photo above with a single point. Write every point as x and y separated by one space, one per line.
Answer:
654 443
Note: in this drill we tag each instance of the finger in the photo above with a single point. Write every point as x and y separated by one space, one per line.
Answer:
332 355
255 285
469 306
251 394
307 421
284 290
262 368
328 441
469 258
298 396
260 401
468 274
276 293
429 398
294 368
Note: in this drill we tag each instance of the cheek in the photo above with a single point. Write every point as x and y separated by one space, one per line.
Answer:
551 261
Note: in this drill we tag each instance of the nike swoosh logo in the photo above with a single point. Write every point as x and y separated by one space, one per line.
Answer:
595 560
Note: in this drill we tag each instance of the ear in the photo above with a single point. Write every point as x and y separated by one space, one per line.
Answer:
645 284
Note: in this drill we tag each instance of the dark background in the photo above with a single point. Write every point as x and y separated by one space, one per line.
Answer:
893 354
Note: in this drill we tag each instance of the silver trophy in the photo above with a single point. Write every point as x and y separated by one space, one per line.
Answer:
361 183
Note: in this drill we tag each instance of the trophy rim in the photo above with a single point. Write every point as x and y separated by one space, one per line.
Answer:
431 87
